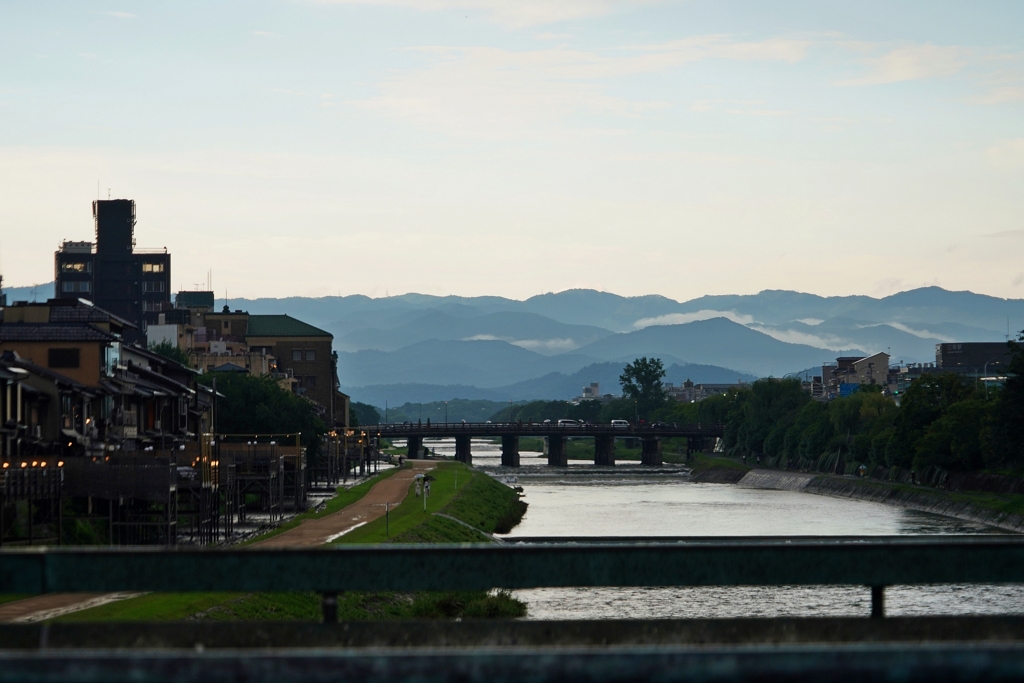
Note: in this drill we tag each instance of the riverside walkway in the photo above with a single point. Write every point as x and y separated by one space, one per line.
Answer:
311 532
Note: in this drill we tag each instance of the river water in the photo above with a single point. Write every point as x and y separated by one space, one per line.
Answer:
627 500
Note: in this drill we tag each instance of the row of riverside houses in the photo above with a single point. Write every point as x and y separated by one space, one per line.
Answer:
81 390
985 362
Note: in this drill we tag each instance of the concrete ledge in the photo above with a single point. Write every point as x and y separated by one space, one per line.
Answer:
516 634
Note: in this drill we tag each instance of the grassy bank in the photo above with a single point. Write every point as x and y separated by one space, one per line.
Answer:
708 468
475 499
342 499
458 491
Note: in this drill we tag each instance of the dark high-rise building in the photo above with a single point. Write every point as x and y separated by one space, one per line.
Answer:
134 284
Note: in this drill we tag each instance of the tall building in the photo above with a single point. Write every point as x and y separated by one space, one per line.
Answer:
134 284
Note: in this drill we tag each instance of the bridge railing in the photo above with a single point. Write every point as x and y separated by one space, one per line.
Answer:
543 429
867 561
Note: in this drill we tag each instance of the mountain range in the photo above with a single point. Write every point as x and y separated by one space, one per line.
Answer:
420 347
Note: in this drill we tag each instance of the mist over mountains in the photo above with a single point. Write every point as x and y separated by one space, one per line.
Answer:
417 347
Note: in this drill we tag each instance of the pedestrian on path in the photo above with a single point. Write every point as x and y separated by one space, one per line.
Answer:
417 488
426 488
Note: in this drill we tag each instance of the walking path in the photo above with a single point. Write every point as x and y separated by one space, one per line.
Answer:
311 532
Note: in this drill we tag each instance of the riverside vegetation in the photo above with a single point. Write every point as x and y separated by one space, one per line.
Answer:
475 506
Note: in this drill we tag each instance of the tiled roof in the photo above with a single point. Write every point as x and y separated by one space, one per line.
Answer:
52 332
83 313
282 326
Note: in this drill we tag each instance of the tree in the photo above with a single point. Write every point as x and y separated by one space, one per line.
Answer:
258 405
169 350
641 381
1008 446
362 414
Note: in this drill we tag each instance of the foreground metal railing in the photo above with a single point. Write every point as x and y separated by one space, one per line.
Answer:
870 650
867 561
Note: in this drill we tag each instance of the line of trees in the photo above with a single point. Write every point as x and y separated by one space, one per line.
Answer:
943 421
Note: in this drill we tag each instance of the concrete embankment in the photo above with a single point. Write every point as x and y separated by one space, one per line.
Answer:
910 498
937 502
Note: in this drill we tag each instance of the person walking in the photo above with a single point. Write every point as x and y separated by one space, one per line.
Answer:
417 488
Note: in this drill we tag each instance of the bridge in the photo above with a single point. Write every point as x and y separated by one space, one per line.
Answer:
698 437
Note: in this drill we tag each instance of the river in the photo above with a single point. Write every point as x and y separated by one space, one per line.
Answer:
628 500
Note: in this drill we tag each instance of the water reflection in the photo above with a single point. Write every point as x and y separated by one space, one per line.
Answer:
632 501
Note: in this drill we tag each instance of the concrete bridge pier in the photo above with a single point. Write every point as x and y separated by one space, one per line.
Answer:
510 451
414 444
462 452
556 452
650 451
604 450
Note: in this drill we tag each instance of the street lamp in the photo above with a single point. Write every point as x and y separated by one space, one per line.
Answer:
636 412
446 413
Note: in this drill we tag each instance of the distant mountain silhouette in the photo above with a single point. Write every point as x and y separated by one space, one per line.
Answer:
553 386
718 342
527 330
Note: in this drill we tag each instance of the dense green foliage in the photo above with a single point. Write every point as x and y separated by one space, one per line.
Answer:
258 405
641 382
362 414
169 350
942 421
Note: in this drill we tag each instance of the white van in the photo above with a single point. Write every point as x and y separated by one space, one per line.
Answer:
568 423
620 423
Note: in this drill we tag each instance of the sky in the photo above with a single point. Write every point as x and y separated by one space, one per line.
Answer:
516 147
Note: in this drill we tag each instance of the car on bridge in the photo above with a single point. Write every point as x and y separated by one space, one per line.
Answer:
623 424
569 423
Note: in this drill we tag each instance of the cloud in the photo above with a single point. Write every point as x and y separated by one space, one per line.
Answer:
546 344
923 334
1006 153
797 337
683 318
514 13
912 63
1009 93
120 15
1006 233
567 344
491 92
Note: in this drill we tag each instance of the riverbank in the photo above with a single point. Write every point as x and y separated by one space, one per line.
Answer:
473 504
1004 511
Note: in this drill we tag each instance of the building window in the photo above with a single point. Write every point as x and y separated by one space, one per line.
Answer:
152 267
310 355
148 286
309 381
296 355
152 306
76 267
70 287
63 358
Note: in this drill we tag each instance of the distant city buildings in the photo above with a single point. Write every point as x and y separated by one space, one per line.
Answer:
688 392
110 272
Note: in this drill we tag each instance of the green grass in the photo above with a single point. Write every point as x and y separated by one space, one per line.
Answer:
343 498
478 500
459 491
702 462
352 606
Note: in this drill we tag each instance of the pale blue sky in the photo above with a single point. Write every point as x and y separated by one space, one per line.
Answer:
517 147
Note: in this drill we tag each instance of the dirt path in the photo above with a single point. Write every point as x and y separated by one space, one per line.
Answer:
53 605
312 532
392 490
